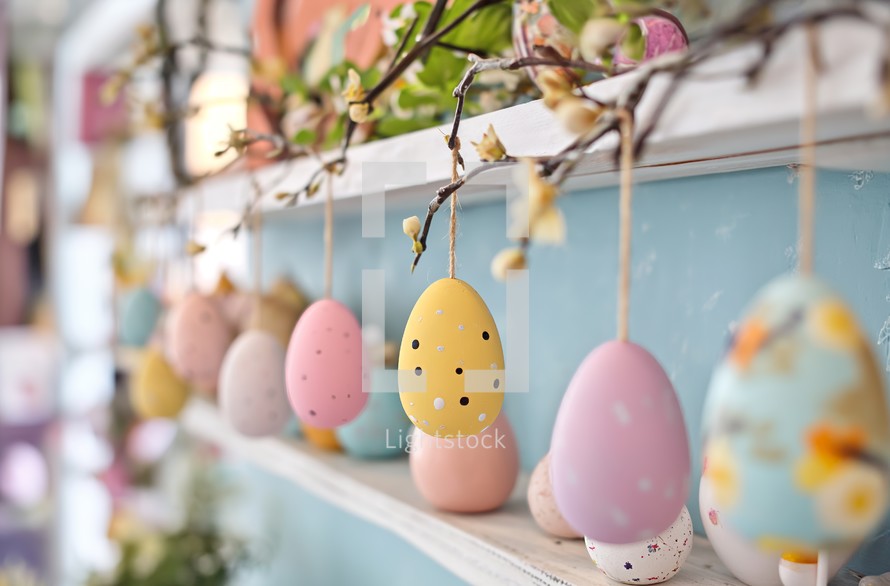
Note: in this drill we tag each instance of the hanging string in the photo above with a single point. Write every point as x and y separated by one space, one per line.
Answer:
452 234
807 186
625 217
329 238
257 255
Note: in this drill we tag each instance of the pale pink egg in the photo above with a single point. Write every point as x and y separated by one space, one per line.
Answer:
468 474
543 506
323 368
197 339
619 455
252 396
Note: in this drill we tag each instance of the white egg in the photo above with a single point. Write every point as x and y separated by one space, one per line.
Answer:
645 562
252 395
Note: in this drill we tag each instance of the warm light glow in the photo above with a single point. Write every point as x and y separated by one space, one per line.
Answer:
221 100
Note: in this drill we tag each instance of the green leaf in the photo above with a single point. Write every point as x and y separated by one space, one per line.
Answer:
412 97
391 126
572 14
633 45
443 69
304 136
488 30
294 85
422 10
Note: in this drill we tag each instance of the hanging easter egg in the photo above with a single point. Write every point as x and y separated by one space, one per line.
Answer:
156 390
536 29
619 454
323 369
745 559
451 364
470 474
139 312
252 396
197 339
380 431
662 35
649 561
796 423
542 504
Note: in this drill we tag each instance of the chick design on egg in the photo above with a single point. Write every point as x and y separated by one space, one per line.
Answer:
451 362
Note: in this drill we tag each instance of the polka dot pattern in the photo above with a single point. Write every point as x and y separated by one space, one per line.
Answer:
323 366
452 341
252 395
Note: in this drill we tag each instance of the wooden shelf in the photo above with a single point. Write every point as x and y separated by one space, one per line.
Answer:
716 122
503 547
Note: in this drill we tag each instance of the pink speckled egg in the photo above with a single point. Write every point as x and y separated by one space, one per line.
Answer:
619 454
467 474
663 35
649 561
197 339
323 368
543 506
252 396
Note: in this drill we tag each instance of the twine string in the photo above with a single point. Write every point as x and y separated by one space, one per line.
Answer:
452 234
807 186
625 222
329 238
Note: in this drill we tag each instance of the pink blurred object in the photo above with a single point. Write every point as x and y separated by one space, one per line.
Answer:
24 475
13 282
619 455
662 34
469 474
325 378
150 439
99 120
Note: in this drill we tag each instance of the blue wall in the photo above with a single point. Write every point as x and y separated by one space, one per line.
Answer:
702 247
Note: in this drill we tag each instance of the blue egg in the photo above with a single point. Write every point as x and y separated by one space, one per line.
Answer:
139 312
797 423
381 429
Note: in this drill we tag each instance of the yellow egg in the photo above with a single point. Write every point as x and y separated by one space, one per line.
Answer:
156 390
451 363
325 439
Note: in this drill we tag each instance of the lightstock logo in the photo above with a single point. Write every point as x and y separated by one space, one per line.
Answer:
380 178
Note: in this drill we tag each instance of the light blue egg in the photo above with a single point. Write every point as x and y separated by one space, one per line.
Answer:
796 422
382 428
139 312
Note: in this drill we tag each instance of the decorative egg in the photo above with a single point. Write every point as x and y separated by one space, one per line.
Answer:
325 378
324 439
882 580
252 396
197 339
451 364
619 455
796 423
800 569
270 315
747 562
139 312
156 390
662 35
380 431
469 474
542 504
649 561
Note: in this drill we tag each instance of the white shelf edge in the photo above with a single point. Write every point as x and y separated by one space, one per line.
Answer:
711 126
502 547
